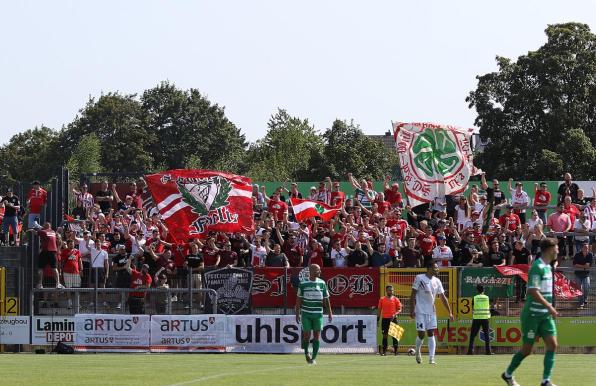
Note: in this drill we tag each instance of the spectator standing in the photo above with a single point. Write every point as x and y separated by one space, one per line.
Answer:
11 205
560 222
582 226
323 194
542 198
36 199
337 196
99 262
493 194
392 193
84 199
582 261
567 189
411 257
363 193
534 220
357 257
119 268
442 254
48 254
519 199
338 254
72 267
228 258
380 257
139 280
104 197
276 207
276 258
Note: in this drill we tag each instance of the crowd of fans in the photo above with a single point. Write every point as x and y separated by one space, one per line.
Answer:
114 241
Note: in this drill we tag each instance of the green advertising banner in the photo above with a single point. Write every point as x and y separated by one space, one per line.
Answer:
495 284
504 331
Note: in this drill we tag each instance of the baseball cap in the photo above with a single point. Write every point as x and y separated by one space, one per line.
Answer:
509 206
476 212
441 238
146 266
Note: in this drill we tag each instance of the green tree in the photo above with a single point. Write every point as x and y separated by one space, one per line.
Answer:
86 156
527 108
120 124
348 150
187 126
287 150
31 155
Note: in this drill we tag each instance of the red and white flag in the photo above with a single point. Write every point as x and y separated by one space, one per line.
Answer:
436 160
304 209
194 202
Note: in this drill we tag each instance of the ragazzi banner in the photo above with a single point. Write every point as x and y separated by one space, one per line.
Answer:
348 287
495 284
188 333
112 333
281 334
504 331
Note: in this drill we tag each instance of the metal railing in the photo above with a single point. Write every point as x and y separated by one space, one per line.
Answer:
71 301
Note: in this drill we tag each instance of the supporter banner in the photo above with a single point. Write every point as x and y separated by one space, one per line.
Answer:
304 209
176 333
495 284
233 287
436 160
14 330
564 288
348 287
194 202
505 331
112 333
47 330
281 334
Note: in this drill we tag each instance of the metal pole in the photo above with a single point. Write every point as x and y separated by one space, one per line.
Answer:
189 281
95 292
285 289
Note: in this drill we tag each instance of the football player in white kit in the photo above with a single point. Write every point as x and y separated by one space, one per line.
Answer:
425 289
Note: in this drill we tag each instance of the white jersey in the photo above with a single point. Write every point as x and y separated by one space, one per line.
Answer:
443 254
426 293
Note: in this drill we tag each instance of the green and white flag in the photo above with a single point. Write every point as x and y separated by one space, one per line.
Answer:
436 160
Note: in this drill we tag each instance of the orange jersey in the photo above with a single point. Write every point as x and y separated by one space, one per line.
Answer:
389 306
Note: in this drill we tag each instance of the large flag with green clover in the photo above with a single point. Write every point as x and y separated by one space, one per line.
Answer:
304 209
436 160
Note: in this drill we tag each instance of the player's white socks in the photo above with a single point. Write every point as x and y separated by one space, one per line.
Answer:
418 343
431 346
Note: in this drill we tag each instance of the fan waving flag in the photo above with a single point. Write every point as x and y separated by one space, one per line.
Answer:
436 160
194 202
304 209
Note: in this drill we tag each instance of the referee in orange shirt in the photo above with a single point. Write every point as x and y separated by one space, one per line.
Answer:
389 307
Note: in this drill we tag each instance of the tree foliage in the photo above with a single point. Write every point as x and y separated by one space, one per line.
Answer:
120 124
286 152
186 125
31 155
348 150
86 156
534 110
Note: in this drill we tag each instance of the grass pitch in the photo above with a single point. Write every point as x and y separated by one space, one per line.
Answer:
247 369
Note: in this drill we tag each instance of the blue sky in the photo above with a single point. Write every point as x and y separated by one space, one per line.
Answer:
372 61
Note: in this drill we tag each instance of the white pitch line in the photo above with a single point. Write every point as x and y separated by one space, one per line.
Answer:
223 375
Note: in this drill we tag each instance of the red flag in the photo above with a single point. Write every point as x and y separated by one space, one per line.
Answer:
304 209
194 202
564 289
69 218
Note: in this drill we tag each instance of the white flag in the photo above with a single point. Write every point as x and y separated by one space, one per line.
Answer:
436 160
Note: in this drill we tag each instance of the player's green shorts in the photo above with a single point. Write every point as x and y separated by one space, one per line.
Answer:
541 326
309 322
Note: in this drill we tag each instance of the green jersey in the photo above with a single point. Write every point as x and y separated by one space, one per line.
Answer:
312 293
540 276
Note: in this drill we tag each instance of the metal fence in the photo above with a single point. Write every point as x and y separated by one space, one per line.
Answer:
160 301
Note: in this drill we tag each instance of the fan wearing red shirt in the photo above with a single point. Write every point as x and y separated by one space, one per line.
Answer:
211 255
542 198
227 256
277 207
138 280
382 205
509 221
392 194
72 265
36 199
291 249
427 243
337 197
570 209
47 256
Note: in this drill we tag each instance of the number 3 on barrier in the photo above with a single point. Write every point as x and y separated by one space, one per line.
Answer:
465 307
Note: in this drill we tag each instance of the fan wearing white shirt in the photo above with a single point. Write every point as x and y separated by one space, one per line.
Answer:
339 255
519 199
425 289
442 253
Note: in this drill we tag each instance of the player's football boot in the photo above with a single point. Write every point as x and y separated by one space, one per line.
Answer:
309 359
547 383
510 381
418 357
431 361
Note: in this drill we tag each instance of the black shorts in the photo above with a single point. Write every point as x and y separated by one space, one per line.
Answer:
385 325
46 258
